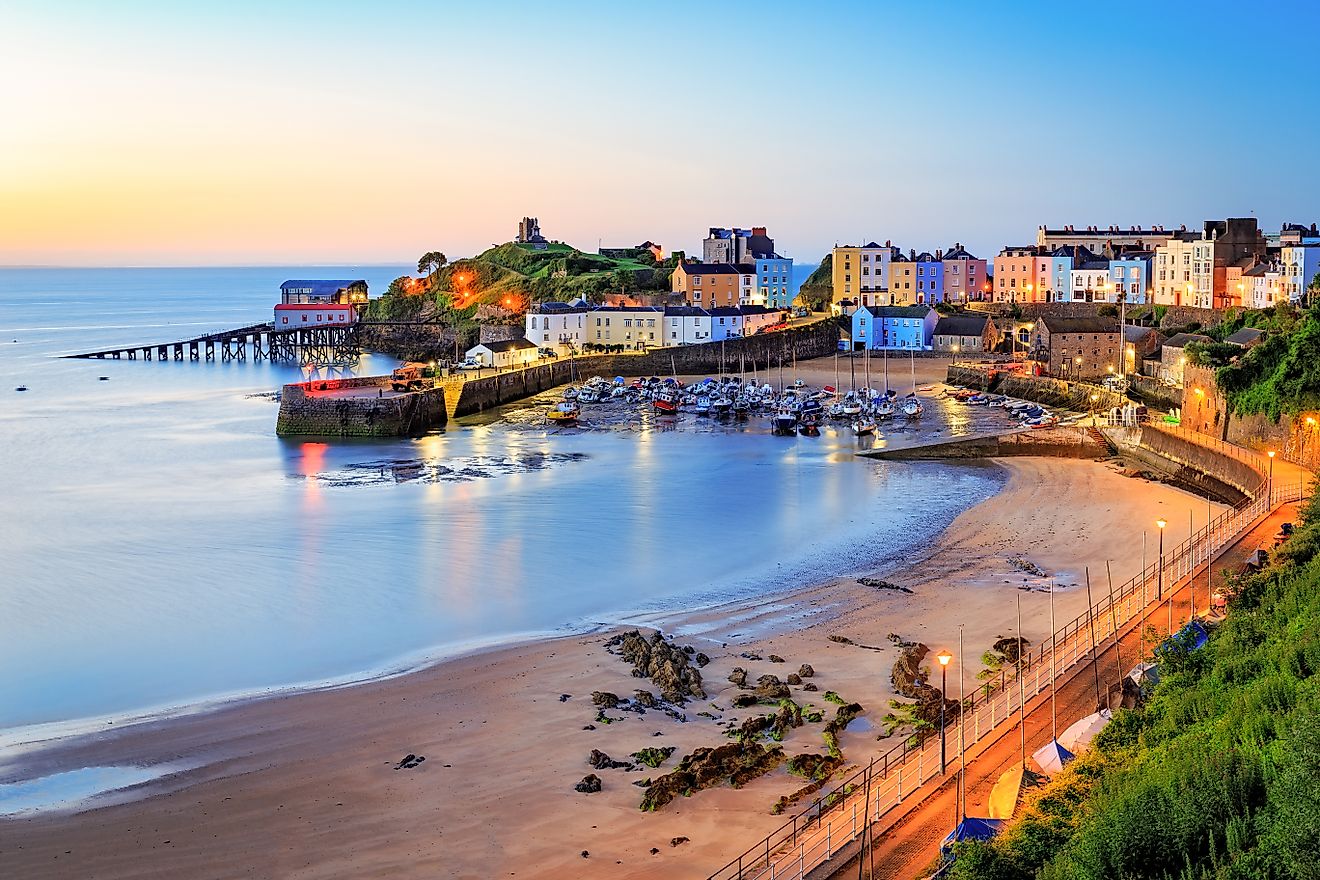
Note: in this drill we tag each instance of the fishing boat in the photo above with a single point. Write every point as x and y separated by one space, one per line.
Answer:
570 393
588 395
665 402
912 407
785 420
564 413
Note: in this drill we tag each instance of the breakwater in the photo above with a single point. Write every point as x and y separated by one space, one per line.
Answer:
320 408
1059 442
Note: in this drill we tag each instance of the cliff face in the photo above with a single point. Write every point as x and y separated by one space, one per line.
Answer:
818 290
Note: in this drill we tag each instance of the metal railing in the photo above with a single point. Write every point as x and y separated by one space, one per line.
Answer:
816 834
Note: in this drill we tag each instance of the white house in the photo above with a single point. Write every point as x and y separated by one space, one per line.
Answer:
1090 280
558 326
732 323
1301 264
685 325
504 354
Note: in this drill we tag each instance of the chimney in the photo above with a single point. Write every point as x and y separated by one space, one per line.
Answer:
758 230
888 243
939 255
912 254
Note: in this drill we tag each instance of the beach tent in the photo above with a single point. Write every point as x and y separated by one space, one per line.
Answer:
1077 738
1052 757
1004 796
1145 675
972 828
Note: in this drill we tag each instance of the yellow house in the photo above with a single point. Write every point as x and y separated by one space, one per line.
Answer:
860 275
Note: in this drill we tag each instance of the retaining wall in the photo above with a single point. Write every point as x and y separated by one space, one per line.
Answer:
303 412
1226 468
1061 442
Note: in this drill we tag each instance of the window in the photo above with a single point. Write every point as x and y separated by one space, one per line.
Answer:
286 319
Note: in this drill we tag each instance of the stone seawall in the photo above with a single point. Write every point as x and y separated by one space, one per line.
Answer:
1051 392
760 352
1059 442
1227 469
304 412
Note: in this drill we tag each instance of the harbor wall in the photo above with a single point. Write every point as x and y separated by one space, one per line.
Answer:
1204 458
303 412
761 352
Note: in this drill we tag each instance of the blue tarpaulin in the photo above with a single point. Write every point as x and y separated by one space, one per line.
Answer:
973 828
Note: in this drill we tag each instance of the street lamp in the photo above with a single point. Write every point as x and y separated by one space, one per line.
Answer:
1301 454
1077 368
944 657
955 354
1095 398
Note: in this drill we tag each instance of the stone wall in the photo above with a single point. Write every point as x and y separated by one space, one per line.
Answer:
1051 392
1155 393
1220 465
499 332
761 352
1174 316
1205 410
1060 442
303 412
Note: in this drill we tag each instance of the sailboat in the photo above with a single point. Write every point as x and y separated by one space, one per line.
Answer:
912 407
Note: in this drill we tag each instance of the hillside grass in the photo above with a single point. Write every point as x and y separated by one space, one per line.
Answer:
1218 776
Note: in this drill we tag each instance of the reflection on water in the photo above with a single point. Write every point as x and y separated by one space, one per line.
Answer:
162 545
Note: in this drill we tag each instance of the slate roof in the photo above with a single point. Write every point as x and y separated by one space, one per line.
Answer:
685 312
507 345
712 269
1246 336
1180 340
958 252
961 325
898 311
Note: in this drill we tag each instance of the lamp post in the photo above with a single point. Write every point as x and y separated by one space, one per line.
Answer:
1270 491
1309 426
955 354
944 657
1095 398
1159 579
1077 368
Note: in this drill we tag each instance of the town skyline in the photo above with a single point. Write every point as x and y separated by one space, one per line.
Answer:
147 146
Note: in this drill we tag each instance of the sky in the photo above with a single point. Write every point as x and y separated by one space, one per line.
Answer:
185 133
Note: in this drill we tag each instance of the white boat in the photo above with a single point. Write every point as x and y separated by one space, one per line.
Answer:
702 405
565 413
885 408
863 427
912 407
785 420
570 393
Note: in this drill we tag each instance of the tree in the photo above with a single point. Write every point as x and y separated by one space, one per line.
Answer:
623 279
430 262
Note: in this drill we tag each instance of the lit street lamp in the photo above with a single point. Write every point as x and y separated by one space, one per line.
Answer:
1095 398
955 354
1159 583
944 657
1310 426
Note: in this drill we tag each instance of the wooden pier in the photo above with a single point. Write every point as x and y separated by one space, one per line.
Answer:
300 345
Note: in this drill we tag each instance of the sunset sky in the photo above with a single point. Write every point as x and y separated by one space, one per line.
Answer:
205 134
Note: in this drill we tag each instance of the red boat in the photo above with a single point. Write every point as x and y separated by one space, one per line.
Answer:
665 403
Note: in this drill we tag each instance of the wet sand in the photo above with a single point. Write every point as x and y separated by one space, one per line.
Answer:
304 785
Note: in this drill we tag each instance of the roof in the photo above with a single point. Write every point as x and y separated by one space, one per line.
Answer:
1245 336
685 312
549 307
506 345
323 288
961 325
1136 333
712 269
1080 325
898 311
317 306
926 257
958 252
1180 340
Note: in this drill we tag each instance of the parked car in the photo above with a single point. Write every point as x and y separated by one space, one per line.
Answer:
468 364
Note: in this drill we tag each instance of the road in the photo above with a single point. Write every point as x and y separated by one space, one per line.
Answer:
908 843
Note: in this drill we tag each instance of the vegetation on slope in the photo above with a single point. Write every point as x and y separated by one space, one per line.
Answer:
1279 376
817 292
1218 776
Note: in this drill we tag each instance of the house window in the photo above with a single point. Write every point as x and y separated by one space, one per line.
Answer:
286 319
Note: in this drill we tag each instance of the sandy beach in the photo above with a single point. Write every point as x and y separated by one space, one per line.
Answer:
305 786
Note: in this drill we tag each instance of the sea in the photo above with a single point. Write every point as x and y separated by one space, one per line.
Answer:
161 549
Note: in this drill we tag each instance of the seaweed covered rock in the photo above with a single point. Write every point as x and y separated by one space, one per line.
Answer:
751 729
653 757
815 767
644 698
769 687
837 724
664 664
794 678
602 761
788 717
737 763
605 699
1011 648
738 676
742 701
909 682
590 784
806 671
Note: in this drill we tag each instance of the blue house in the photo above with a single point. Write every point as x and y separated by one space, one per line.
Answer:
930 278
894 327
774 281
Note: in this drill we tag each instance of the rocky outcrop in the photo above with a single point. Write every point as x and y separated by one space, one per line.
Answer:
664 664
736 763
909 682
590 784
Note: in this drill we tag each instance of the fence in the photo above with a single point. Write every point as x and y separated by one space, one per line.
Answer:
816 834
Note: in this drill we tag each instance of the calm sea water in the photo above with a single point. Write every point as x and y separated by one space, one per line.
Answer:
161 546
